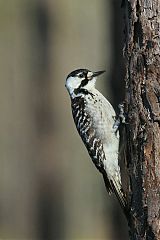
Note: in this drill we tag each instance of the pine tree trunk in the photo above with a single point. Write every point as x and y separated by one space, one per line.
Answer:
142 54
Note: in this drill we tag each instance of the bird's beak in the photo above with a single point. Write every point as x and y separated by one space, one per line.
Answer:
95 74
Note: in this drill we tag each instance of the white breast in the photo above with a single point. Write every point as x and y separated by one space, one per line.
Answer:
103 116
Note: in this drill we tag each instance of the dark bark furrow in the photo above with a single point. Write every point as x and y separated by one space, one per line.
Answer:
142 54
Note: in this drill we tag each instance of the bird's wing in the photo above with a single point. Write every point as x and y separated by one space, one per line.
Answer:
94 145
84 125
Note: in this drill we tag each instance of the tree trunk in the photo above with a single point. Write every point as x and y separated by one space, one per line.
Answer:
142 53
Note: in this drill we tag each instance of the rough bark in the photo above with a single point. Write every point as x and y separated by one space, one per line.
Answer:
142 54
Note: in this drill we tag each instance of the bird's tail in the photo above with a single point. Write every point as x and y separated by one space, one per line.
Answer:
114 186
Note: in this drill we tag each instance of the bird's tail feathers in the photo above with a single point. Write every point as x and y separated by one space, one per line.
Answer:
114 186
117 189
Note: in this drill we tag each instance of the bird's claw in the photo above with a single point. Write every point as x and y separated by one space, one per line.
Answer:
120 118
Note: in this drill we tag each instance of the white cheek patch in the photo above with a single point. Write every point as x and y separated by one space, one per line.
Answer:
72 83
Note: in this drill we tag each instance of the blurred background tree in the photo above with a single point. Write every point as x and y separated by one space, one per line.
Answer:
49 187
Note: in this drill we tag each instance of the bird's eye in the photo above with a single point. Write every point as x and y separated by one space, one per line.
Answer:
81 75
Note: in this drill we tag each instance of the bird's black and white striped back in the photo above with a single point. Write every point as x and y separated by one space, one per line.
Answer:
84 125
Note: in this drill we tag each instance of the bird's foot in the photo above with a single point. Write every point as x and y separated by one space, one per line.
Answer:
120 118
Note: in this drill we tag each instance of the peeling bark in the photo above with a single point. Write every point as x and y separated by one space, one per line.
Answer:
142 105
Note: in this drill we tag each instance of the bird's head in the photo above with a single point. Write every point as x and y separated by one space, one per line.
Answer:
81 81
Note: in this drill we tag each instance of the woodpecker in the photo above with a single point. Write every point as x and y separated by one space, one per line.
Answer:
94 118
